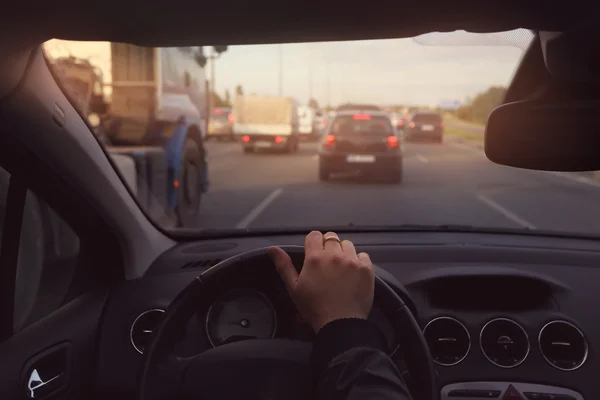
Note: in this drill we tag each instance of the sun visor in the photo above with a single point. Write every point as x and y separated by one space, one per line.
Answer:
572 56
520 38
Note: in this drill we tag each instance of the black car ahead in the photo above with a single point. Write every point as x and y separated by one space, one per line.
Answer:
361 141
425 126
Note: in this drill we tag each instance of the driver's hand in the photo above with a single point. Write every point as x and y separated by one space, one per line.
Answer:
334 283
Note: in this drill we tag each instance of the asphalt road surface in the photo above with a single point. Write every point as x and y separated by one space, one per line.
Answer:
445 183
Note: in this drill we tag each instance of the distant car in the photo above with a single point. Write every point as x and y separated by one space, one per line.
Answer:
398 121
361 141
307 123
364 107
321 122
425 126
220 124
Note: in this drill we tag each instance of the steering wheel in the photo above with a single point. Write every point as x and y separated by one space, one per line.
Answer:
260 368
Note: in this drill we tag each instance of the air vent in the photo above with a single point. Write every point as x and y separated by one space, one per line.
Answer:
504 342
448 339
563 345
208 248
201 263
142 328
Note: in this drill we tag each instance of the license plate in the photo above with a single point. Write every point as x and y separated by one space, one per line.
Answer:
359 158
261 144
427 127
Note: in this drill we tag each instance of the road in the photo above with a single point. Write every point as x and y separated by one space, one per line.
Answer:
448 183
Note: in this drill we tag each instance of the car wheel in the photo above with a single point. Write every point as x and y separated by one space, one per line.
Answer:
398 174
191 188
323 173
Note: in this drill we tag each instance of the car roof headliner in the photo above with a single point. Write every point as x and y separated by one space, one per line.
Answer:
195 23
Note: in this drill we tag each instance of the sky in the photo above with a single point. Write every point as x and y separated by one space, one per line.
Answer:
425 71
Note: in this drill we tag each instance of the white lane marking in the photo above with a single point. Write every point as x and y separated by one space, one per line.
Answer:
466 147
570 176
422 158
507 213
576 178
259 209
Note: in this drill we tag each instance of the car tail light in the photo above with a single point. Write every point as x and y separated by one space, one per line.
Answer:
392 141
401 122
278 139
217 111
245 138
361 117
411 125
230 117
329 140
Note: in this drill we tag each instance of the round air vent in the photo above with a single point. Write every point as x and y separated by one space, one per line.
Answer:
563 345
448 339
142 328
504 342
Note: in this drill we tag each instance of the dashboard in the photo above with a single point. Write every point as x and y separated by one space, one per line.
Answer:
505 316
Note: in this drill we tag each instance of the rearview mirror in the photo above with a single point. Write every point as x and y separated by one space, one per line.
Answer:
556 136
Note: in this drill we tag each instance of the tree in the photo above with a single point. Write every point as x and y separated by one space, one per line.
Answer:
314 104
227 99
239 91
481 106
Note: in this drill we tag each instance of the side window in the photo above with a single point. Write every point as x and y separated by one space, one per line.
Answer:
47 260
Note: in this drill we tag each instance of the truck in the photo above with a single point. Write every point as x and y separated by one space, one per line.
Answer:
152 117
266 122
307 123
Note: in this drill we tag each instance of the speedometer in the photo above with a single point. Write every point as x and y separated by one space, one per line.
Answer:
238 315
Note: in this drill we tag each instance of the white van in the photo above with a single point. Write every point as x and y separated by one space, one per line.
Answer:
306 122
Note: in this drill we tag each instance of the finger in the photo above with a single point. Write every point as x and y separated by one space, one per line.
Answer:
332 244
285 267
364 257
313 242
348 247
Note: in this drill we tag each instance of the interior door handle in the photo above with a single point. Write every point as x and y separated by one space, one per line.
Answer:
36 383
47 373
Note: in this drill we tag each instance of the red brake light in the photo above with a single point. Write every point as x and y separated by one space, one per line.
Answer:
361 117
217 111
278 139
245 138
411 125
329 140
230 117
401 122
392 141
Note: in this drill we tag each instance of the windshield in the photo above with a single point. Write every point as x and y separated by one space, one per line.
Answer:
362 124
427 118
274 165
221 115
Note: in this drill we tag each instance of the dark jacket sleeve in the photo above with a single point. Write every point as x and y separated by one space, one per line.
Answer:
349 363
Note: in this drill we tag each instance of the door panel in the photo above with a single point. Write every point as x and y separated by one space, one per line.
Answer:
62 345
